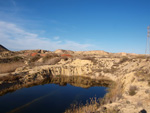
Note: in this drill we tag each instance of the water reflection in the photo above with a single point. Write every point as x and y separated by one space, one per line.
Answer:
77 81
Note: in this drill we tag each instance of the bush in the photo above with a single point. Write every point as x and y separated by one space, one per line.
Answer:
148 82
143 75
17 58
132 90
35 58
89 107
112 70
114 92
52 61
142 57
49 56
13 59
123 59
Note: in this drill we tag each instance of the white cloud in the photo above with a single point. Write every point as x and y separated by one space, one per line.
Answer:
15 38
56 37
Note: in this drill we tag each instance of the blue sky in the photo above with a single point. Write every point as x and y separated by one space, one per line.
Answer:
109 25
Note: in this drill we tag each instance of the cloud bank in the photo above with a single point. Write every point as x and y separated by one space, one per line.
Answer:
15 38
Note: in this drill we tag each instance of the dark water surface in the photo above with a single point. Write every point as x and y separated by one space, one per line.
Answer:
49 98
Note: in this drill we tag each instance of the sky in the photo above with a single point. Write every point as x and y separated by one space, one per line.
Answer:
79 25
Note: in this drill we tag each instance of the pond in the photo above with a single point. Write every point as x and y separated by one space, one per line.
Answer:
51 96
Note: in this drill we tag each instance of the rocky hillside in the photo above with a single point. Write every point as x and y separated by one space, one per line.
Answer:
2 48
130 91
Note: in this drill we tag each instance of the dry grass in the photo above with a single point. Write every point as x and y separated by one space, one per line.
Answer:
49 59
52 61
35 58
12 59
143 75
142 57
49 56
112 70
111 110
114 93
89 107
10 67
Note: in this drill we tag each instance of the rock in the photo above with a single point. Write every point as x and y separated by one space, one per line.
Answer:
143 111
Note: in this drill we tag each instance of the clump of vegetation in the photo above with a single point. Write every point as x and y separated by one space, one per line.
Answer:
12 59
52 61
111 110
92 59
112 70
10 67
114 93
141 72
35 58
143 75
49 59
49 56
141 56
10 77
133 90
149 82
89 107
123 59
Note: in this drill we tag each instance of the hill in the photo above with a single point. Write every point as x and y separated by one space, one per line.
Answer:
2 48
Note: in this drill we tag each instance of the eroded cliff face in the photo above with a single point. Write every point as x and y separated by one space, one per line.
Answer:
77 67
